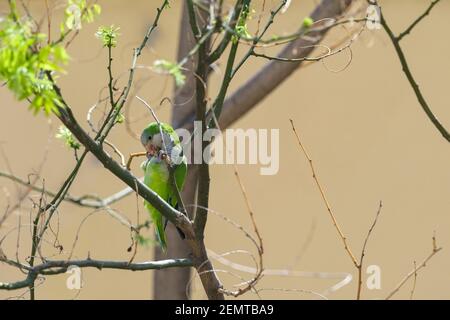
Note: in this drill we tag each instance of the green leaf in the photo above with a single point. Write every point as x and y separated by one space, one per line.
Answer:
97 9
171 68
120 118
25 60
108 35
69 140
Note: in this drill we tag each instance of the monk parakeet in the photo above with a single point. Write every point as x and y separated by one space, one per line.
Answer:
163 148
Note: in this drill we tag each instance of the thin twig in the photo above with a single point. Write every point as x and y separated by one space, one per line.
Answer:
415 270
260 266
363 251
321 57
111 121
324 198
414 85
416 22
414 283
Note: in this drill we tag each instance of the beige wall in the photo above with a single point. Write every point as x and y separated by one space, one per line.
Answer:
364 128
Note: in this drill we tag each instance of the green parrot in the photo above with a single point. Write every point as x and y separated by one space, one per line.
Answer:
163 146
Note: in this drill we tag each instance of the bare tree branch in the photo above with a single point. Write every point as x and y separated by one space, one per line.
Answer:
61 266
274 73
407 71
325 199
100 264
416 269
418 20
363 251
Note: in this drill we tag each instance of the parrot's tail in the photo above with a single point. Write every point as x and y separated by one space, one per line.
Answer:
180 232
157 220
161 235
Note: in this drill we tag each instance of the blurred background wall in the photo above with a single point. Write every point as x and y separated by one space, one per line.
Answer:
364 129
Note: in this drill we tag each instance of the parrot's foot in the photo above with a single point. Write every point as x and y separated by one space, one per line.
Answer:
165 157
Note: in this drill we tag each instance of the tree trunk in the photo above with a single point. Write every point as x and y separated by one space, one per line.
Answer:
172 283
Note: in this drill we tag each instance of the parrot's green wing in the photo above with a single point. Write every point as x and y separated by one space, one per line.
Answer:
178 161
180 177
156 178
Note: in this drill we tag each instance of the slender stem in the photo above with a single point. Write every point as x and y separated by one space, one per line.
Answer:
243 11
363 252
259 37
204 178
111 78
325 199
111 120
413 272
193 19
62 194
88 201
418 20
423 103
217 53
54 204
13 10
111 95
197 46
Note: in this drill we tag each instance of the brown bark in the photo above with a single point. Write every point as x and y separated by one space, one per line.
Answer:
172 284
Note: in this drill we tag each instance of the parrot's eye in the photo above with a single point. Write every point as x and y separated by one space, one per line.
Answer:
149 137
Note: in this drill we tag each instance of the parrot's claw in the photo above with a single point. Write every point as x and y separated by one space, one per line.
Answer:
165 157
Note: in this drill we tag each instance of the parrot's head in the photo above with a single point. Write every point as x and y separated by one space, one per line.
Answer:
151 138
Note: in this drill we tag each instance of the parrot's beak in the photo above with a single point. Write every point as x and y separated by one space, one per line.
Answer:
151 150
